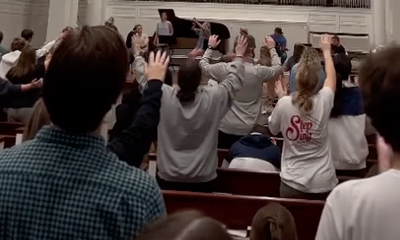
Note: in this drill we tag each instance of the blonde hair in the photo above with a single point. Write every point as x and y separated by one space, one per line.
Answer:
39 118
306 80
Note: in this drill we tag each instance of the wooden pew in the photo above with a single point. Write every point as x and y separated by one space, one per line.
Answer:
9 128
237 212
7 141
242 182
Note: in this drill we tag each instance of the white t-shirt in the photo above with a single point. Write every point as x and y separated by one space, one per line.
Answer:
253 164
306 159
163 28
348 142
366 209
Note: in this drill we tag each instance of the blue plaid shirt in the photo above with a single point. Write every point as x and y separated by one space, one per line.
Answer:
63 186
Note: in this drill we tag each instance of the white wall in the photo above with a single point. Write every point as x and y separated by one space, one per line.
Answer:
16 15
260 20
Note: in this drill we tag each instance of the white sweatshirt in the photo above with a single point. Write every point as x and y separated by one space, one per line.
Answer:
188 132
246 108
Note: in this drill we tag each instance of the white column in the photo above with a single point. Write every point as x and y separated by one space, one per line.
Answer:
62 13
95 12
379 22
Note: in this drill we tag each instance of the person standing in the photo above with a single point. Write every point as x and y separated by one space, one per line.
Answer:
250 39
203 30
281 44
3 50
65 183
164 31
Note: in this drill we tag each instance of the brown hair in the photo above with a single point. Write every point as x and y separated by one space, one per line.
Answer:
25 65
189 225
18 44
379 83
189 77
306 80
273 222
39 118
96 60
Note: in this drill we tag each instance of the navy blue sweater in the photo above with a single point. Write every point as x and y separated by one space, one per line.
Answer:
256 146
135 141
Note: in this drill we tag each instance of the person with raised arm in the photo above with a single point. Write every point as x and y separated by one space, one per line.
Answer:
203 31
368 208
245 110
302 118
189 119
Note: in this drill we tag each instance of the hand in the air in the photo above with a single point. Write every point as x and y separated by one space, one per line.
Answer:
157 67
213 41
325 43
241 46
269 42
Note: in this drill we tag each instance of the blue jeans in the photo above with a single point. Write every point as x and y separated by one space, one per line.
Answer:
283 57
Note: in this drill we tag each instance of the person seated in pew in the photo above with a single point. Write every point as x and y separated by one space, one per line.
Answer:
347 123
368 209
189 118
66 172
188 225
245 109
307 166
256 152
39 118
273 222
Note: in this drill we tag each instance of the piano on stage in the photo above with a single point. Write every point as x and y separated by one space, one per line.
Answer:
185 38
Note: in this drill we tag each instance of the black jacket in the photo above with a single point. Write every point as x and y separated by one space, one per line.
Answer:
135 141
8 92
28 99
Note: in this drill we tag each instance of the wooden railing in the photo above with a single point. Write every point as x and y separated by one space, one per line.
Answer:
315 3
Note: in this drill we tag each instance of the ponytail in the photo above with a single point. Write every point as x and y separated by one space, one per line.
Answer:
303 100
185 97
306 86
189 77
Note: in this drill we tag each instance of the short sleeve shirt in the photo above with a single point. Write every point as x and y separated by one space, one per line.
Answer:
306 159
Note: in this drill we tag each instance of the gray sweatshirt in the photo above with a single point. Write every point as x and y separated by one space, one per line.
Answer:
188 133
246 108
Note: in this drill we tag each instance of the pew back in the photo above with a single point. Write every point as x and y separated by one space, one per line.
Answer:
237 212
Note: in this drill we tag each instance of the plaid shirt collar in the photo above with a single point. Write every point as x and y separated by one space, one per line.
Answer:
56 135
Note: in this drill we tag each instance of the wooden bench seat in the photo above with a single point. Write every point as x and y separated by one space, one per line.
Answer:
10 128
237 212
7 141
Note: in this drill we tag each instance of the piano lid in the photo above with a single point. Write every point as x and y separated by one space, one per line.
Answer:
183 27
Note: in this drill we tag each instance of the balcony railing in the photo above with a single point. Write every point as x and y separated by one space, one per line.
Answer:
315 3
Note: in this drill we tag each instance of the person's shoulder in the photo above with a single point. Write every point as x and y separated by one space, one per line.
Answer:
354 189
131 180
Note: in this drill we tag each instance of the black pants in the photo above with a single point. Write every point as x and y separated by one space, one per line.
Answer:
361 173
289 192
205 187
225 140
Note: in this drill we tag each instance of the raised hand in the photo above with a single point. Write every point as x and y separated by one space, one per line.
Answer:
326 43
157 66
213 41
241 47
269 42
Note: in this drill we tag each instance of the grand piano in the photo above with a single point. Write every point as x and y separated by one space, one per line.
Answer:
185 38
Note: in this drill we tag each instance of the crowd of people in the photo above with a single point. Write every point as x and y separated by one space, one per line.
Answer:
66 181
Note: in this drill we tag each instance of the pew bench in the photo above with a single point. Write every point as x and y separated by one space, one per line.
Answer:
237 212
